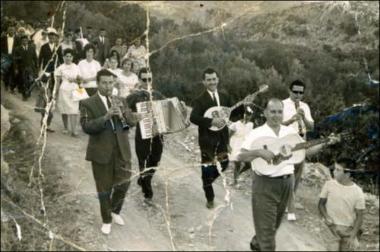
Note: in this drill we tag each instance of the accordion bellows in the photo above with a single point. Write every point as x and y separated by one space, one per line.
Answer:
162 117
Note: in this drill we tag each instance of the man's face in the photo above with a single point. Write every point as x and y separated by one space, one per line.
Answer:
338 172
105 85
211 81
274 113
102 33
52 38
119 41
146 78
296 93
11 31
24 41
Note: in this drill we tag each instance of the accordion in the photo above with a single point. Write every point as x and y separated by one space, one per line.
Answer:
162 117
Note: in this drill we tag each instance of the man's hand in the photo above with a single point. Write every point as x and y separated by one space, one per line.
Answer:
266 155
301 113
218 122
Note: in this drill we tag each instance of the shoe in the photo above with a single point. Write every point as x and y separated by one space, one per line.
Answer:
292 217
50 130
210 204
74 134
117 219
65 132
254 247
106 228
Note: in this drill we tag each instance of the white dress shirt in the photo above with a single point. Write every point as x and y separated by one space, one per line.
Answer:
266 131
290 110
10 42
216 96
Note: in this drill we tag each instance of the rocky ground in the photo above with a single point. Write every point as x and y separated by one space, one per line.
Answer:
177 218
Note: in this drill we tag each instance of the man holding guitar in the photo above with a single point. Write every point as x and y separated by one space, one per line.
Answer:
273 172
213 144
297 115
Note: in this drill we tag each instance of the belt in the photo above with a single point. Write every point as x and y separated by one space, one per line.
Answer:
278 177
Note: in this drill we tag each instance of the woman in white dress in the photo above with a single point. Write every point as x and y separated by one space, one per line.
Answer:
68 78
238 132
126 80
89 67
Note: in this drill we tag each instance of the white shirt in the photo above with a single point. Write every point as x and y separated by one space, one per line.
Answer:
342 201
266 131
89 70
10 41
216 96
104 100
290 110
51 47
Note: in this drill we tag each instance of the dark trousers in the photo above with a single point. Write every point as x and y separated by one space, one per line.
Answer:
9 78
112 181
269 199
209 174
148 153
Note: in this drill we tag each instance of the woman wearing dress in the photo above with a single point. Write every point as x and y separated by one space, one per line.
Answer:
88 68
68 76
127 80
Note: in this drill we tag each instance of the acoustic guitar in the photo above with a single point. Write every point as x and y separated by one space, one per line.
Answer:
288 150
225 112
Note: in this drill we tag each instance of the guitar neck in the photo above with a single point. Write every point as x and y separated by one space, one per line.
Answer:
309 144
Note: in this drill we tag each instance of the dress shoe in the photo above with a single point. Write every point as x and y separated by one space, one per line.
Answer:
210 204
254 247
106 228
50 130
117 219
292 217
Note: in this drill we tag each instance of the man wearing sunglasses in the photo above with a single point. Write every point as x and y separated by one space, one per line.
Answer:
149 150
297 115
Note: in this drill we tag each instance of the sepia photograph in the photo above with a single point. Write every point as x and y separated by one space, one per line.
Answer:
190 126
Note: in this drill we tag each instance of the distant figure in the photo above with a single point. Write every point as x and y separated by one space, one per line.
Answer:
103 46
88 68
342 206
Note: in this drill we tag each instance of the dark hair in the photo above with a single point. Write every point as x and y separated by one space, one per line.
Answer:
88 47
117 56
297 83
347 163
127 59
103 72
68 50
143 70
209 70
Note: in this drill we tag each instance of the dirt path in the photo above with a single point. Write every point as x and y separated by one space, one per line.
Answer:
146 228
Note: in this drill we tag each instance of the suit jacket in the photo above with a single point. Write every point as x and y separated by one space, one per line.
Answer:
103 138
102 49
46 54
210 142
25 59
4 44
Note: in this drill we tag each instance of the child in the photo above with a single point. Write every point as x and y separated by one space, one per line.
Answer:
342 204
238 131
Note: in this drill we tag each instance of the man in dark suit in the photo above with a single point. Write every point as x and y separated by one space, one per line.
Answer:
46 63
103 46
8 44
108 148
25 60
213 144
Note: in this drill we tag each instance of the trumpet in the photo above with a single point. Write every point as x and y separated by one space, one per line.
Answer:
117 102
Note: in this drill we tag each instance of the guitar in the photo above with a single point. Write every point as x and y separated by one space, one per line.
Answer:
288 150
225 112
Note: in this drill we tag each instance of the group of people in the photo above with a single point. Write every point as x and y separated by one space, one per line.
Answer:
99 86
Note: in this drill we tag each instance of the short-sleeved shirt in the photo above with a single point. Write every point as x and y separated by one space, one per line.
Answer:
342 201
89 70
290 110
266 131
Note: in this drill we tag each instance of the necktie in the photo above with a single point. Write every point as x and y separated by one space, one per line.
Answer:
113 119
214 99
